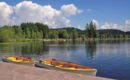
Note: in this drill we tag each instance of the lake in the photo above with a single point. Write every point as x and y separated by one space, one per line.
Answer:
110 57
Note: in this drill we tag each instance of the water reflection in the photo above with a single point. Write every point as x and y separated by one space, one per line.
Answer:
6 48
106 47
64 51
113 47
91 48
32 49
35 48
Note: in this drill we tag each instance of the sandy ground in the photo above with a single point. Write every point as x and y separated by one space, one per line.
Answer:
10 71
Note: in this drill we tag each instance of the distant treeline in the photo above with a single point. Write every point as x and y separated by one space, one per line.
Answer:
39 31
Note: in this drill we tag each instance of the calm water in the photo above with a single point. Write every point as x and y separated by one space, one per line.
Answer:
111 58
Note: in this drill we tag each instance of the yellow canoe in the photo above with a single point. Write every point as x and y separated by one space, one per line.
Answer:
65 66
17 59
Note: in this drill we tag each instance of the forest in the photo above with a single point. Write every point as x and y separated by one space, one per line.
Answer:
39 31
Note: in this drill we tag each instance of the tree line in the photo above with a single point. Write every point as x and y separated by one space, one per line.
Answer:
39 31
33 31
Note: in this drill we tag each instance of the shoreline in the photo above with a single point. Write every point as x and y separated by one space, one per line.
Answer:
10 71
63 40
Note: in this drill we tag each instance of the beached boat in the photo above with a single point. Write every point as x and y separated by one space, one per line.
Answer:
65 66
19 60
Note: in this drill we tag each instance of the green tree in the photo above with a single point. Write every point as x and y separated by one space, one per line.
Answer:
6 33
28 34
75 34
121 36
91 31
39 35
44 28
18 32
53 34
63 34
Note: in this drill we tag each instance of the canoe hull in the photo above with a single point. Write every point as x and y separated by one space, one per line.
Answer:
89 72
8 61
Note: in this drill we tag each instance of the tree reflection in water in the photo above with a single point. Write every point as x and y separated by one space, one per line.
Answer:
91 48
34 49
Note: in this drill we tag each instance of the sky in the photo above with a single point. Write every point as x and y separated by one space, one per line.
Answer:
106 14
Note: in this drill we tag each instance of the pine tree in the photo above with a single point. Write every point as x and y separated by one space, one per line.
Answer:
91 31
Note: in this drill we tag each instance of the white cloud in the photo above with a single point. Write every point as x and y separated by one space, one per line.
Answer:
79 27
27 11
105 26
80 11
95 22
5 12
127 25
127 22
70 9
113 26
89 10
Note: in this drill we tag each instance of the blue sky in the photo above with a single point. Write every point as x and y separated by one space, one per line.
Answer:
107 13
